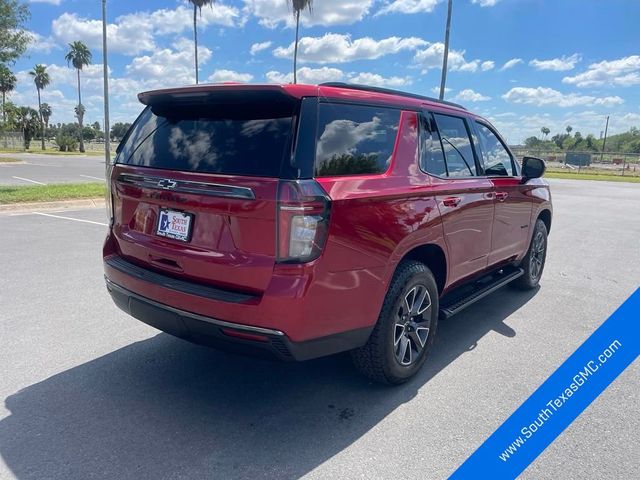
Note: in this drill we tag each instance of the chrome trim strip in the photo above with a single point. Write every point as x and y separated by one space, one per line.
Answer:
295 209
195 316
187 186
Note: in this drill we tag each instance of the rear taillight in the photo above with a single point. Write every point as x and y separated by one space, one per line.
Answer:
303 220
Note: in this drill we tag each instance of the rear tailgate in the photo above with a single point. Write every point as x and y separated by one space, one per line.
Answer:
195 188
231 241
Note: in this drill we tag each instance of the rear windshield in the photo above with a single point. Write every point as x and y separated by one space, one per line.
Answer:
236 139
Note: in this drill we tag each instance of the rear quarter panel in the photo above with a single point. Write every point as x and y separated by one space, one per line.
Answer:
377 219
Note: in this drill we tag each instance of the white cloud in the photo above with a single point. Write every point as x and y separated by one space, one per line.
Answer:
488 65
561 64
511 63
62 75
485 3
436 90
169 66
229 76
408 6
336 48
623 72
258 47
41 44
342 136
468 95
315 76
271 13
377 80
134 33
50 2
123 37
307 75
542 96
431 57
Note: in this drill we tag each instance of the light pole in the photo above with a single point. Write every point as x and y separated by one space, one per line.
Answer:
446 51
604 142
105 74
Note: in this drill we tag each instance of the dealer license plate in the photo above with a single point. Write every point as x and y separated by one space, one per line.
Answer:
176 225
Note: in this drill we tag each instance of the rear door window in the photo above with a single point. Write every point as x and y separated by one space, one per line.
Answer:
354 139
243 139
431 155
456 143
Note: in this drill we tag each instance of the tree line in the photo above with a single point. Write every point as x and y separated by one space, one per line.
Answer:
628 142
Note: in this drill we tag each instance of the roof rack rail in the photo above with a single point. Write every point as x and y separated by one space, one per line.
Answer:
367 88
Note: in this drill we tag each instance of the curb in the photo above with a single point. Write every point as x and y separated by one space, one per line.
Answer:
59 205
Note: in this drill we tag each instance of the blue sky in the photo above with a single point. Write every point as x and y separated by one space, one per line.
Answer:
523 64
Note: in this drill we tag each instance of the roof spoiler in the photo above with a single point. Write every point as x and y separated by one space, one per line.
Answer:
208 92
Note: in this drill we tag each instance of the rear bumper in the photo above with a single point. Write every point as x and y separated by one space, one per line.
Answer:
231 336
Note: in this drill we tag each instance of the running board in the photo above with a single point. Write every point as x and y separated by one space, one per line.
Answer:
460 298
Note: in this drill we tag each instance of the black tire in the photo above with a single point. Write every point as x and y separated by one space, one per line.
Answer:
387 357
533 262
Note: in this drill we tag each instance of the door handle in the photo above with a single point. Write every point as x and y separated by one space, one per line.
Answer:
451 201
502 196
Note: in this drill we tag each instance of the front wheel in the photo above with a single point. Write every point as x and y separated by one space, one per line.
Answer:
406 327
533 262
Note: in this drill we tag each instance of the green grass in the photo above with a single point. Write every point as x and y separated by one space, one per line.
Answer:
9 160
50 193
91 153
593 176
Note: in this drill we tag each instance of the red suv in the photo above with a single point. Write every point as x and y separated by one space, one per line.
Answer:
304 220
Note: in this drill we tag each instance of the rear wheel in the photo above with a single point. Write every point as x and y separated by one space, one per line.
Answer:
533 262
406 327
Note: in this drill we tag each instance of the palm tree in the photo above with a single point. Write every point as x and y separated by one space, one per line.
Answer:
45 111
79 56
80 111
197 7
298 6
8 83
42 80
569 129
27 118
545 131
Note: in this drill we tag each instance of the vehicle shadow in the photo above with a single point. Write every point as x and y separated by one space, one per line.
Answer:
163 408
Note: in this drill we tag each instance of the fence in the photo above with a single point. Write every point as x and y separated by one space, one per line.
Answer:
12 140
613 163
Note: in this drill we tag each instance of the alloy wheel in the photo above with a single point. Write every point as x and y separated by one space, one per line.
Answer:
537 255
412 325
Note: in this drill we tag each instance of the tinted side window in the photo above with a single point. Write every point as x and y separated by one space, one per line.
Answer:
458 151
495 157
431 156
354 139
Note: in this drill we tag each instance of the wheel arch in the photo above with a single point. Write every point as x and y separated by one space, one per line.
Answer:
545 216
433 256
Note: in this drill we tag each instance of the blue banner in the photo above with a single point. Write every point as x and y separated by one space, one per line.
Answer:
560 399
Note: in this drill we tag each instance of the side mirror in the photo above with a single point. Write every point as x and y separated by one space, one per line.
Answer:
532 167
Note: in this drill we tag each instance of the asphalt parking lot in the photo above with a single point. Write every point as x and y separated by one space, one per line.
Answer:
39 169
88 392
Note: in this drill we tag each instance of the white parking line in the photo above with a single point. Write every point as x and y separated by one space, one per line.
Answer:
95 178
27 180
69 218
42 164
